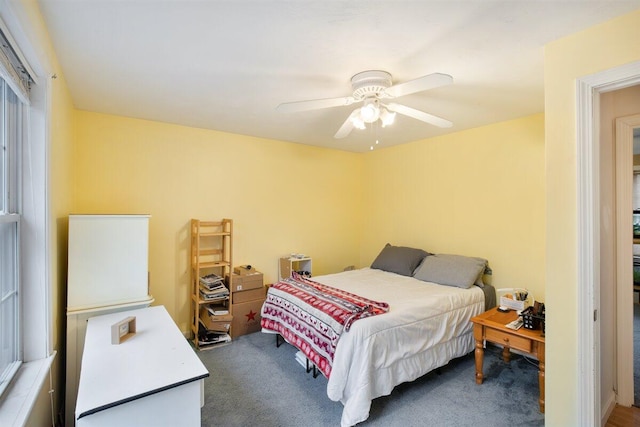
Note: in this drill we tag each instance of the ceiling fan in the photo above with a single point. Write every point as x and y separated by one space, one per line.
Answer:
372 88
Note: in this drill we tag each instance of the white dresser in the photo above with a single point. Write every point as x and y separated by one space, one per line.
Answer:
154 378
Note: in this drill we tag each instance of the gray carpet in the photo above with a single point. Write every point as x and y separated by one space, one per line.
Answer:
254 383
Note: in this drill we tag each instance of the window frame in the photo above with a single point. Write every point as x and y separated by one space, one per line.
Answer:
12 137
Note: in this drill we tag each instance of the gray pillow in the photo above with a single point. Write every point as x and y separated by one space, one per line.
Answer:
480 280
451 270
399 259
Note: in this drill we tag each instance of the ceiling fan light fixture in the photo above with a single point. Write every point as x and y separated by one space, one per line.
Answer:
370 112
387 118
357 121
372 88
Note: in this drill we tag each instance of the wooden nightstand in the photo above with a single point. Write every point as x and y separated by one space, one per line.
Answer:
490 326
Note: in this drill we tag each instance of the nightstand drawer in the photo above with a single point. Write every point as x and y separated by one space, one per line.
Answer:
508 340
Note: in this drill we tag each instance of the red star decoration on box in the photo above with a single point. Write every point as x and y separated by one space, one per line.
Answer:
251 315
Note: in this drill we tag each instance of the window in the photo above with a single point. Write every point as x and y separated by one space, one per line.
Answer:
10 134
13 115
25 71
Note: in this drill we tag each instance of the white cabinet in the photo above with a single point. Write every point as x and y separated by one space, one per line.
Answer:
298 263
154 378
108 260
107 273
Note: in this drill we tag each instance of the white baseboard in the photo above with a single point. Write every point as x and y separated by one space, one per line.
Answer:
608 408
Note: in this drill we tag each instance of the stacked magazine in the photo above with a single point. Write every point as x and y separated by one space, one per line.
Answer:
215 310
207 337
212 288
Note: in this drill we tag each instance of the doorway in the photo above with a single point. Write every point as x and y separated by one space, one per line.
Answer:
615 246
623 310
628 199
590 407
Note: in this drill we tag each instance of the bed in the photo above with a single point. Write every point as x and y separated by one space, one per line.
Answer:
427 324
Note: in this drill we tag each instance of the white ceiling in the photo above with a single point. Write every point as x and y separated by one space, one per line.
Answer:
227 64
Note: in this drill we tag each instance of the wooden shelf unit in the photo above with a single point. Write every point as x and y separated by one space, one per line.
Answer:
211 252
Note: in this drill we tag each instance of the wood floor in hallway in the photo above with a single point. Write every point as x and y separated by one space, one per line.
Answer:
624 417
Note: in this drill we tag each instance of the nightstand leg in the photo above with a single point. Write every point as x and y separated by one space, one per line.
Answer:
506 354
479 352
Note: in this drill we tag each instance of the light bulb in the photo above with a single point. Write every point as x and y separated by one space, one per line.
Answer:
357 122
387 118
370 112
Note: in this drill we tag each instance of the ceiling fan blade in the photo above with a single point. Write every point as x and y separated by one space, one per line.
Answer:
314 104
347 126
419 115
429 81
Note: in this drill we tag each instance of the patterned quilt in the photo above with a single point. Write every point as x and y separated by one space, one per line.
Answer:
312 316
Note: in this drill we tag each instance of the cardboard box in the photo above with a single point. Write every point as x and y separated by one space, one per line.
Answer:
246 282
243 270
246 317
250 295
215 323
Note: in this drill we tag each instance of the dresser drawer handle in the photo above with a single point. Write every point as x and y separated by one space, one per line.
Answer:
506 340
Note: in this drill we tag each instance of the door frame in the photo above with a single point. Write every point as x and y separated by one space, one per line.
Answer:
624 257
588 89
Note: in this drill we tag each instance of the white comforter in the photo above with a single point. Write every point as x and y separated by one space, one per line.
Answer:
427 326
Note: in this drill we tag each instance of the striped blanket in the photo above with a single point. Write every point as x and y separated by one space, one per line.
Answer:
312 316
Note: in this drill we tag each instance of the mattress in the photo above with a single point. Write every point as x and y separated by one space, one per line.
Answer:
427 326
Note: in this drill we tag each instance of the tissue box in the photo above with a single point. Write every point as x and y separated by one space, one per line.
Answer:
513 304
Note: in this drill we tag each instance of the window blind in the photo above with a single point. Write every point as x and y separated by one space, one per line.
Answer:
13 71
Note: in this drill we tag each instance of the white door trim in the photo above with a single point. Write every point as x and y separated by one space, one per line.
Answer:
624 257
588 91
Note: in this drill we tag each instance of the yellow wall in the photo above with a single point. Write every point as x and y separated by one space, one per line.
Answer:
478 192
605 46
60 205
282 197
